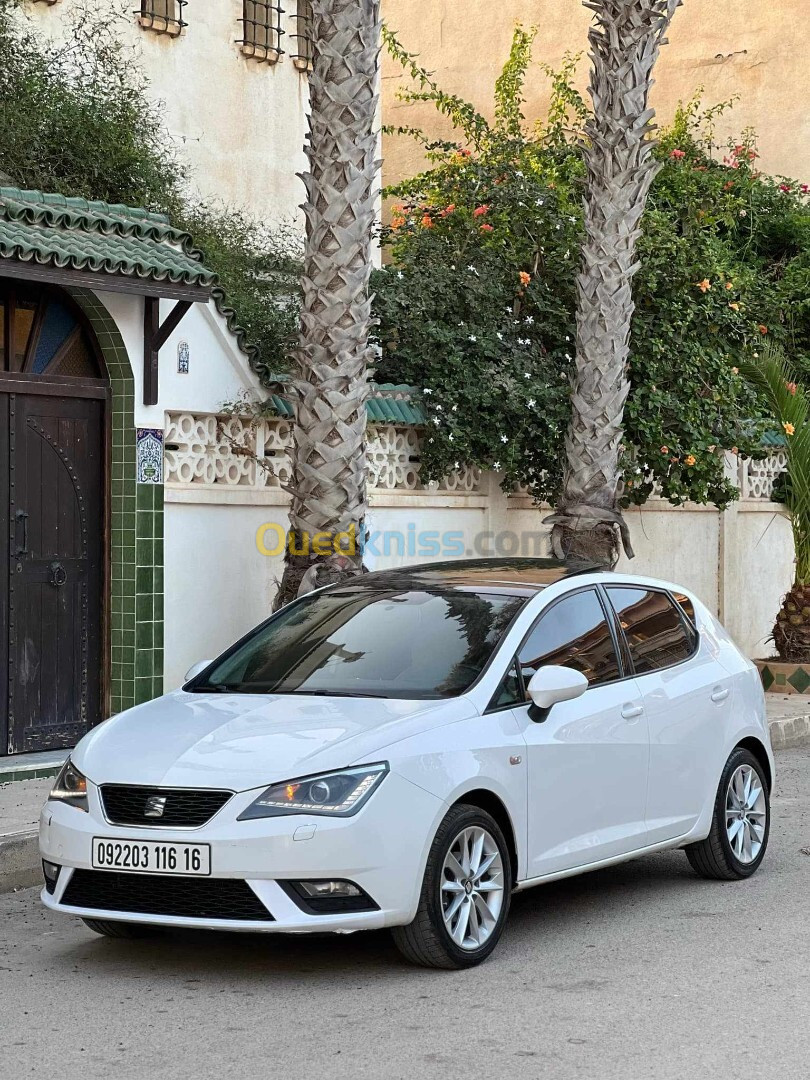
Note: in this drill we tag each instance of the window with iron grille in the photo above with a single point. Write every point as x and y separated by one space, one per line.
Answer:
302 20
261 29
162 16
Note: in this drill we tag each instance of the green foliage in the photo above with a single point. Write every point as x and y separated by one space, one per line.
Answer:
75 118
725 265
788 402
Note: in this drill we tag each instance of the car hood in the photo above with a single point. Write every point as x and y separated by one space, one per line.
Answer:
240 742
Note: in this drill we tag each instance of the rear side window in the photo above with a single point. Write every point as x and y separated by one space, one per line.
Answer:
573 633
656 633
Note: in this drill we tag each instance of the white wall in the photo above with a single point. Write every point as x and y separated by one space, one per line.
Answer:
239 123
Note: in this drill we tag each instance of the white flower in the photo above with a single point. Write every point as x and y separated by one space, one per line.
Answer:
558 226
454 409
567 253
572 219
456 466
743 213
430 440
499 336
567 338
426 391
496 465
529 320
524 341
473 337
519 173
504 438
437 420
568 356
527 374
400 275
539 202
452 266
531 403
472 269
508 311
450 436
438 408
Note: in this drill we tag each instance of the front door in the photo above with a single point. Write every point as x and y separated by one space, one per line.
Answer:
587 758
51 516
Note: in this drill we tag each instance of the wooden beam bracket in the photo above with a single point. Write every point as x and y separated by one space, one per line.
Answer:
155 335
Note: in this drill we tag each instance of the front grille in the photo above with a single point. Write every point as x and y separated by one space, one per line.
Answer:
181 808
151 894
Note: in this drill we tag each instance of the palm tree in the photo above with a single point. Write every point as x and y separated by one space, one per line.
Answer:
330 384
625 41
789 404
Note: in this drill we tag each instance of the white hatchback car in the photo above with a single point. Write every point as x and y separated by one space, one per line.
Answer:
407 749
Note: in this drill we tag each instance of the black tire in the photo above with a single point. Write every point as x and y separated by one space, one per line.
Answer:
713 857
114 929
426 941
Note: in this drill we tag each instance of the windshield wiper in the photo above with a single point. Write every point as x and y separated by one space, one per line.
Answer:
334 693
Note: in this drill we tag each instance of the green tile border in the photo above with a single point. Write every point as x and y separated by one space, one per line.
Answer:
136 533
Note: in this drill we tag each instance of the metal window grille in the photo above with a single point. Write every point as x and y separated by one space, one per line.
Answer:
162 16
302 57
261 30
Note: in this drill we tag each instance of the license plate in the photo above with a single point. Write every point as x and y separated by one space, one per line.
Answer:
151 857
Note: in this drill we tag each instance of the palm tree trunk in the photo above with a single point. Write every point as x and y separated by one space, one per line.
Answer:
330 386
625 41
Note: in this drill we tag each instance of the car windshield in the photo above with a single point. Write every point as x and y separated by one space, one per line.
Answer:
360 641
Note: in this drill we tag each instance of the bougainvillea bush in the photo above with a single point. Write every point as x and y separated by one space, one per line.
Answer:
476 302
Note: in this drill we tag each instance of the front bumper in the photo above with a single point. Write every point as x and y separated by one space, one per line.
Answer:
383 849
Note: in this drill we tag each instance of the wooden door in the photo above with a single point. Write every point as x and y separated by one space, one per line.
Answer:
52 501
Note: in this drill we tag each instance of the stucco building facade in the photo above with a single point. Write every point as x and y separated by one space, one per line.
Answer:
755 51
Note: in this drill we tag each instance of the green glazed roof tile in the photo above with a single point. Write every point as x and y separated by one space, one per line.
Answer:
77 234
381 407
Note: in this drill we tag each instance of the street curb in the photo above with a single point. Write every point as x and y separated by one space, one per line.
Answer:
790 731
20 866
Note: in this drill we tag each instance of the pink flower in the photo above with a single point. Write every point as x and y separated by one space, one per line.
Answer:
480 211
676 155
487 228
785 188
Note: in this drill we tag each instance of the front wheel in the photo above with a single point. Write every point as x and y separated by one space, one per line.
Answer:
740 825
465 894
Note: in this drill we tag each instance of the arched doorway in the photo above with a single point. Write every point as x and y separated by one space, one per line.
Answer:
53 397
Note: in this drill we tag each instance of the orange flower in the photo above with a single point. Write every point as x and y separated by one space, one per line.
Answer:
735 371
487 228
729 284
728 186
734 307
762 329
734 450
397 222
427 221
479 211
448 210
690 460
704 285
524 277
789 428
664 449
791 387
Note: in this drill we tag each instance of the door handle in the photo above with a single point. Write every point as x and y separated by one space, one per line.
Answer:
720 693
630 712
22 519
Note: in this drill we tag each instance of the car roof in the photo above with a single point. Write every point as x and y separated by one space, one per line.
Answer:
517 577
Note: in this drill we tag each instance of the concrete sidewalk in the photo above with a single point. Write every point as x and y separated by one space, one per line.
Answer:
21 802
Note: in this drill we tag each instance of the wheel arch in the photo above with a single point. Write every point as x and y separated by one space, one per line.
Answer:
487 800
757 748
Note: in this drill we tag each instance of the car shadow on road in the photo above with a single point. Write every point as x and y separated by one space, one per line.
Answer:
563 907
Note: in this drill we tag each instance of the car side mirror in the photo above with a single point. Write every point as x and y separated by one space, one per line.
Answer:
552 684
195 670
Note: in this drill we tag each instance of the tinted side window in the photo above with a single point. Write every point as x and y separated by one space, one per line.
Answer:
688 609
508 693
574 633
655 631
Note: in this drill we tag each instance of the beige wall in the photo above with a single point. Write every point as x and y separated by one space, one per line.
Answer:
239 123
757 49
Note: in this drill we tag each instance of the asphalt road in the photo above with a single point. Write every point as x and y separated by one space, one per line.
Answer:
639 971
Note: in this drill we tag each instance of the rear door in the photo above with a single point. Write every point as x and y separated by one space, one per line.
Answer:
686 695
587 758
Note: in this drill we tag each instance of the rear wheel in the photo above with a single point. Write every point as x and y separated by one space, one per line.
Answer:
465 893
113 929
740 825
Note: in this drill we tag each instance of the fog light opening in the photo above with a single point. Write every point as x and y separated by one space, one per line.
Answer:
50 872
328 888
329 896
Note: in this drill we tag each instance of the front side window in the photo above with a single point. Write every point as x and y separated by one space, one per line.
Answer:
655 631
573 633
359 641
261 29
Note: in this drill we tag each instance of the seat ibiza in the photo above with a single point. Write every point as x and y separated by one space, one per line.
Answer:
407 750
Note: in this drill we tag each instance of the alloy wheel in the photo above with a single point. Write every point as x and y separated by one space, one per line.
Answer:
746 814
472 887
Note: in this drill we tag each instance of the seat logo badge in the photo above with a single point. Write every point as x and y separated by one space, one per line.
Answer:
155 805
515 759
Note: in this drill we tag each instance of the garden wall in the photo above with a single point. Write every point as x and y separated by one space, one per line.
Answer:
225 515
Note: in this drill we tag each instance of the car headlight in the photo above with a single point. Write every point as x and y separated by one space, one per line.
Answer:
70 787
336 794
